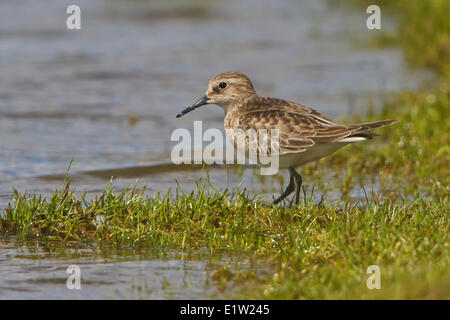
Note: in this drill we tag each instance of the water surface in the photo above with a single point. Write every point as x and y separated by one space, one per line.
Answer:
39 271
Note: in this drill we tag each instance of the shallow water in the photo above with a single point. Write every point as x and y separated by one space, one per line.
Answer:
38 272
107 96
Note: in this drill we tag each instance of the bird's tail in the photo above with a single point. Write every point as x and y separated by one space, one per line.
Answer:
361 127
360 130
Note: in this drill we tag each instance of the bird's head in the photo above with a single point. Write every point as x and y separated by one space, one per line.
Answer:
225 90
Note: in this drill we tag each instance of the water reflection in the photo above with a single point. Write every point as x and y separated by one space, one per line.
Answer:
36 270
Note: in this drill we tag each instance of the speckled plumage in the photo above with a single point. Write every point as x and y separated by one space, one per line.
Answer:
305 134
301 128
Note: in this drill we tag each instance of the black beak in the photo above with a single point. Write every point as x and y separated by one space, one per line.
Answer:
200 102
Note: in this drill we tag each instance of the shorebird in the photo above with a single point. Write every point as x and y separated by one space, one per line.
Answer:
305 135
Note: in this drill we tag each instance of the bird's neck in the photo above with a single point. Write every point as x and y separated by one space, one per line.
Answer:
234 106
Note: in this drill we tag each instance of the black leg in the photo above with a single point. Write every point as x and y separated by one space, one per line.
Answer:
289 189
298 184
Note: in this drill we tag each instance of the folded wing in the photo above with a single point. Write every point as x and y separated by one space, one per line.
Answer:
300 127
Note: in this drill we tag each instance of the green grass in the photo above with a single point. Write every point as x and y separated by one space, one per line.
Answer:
314 251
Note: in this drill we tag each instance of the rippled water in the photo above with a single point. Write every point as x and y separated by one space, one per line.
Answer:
107 95
38 272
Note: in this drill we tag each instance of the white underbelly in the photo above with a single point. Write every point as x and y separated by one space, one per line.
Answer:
310 154
287 160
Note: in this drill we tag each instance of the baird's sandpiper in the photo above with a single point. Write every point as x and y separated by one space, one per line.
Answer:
305 135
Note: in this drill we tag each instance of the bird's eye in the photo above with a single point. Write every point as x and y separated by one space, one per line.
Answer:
222 85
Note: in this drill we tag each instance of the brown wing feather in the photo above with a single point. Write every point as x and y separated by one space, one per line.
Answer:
300 127
260 104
